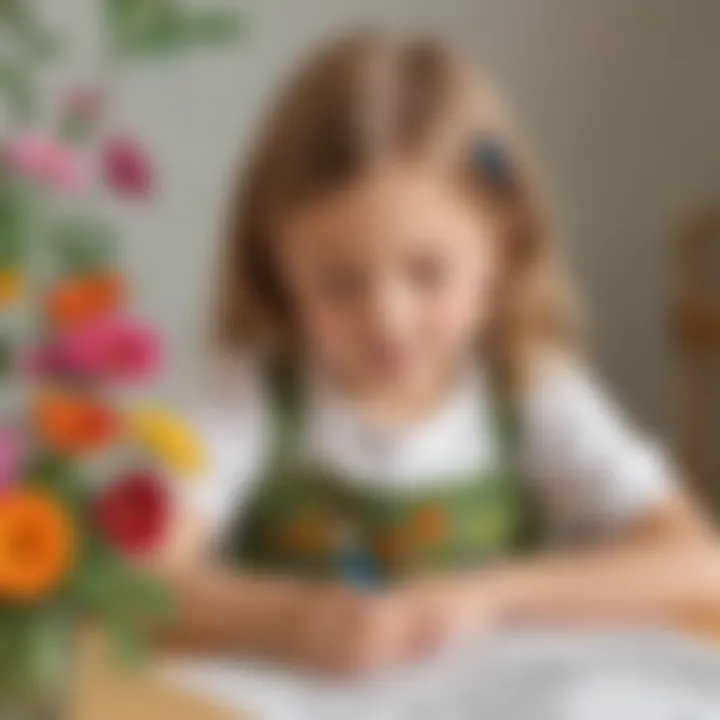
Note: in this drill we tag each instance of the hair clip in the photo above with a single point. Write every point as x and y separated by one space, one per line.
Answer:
492 163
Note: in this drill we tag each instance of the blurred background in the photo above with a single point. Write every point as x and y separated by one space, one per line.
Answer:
620 99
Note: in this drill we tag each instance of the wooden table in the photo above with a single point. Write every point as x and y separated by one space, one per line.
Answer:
105 692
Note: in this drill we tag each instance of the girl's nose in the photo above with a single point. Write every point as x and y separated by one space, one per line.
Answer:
389 308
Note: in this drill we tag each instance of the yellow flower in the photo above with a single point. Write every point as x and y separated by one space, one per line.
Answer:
169 438
12 285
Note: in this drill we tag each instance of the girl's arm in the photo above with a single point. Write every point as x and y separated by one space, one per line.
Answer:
327 628
656 557
221 611
226 611
656 560
665 569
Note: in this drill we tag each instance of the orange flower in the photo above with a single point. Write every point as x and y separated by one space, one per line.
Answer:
12 285
80 299
37 544
75 423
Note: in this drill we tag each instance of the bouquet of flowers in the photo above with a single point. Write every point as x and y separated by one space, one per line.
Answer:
84 469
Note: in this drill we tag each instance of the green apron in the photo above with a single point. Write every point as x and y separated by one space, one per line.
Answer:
305 519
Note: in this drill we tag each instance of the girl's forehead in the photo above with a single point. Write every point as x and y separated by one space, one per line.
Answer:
389 211
393 192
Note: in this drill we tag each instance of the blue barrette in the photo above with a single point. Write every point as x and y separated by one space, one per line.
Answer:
492 163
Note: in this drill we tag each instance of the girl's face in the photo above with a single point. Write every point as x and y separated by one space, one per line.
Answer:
391 279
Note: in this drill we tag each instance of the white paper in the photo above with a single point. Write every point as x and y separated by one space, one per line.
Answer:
539 677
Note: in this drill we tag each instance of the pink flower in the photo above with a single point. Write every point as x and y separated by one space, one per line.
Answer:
128 167
132 350
11 451
47 161
49 361
114 348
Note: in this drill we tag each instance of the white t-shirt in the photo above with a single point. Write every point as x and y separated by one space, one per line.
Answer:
589 468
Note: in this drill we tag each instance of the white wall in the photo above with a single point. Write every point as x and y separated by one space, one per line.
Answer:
620 96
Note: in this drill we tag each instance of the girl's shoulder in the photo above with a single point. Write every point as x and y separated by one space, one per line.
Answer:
588 460
566 394
558 377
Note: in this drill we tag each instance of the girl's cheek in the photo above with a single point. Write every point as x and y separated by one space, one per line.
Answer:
327 330
458 315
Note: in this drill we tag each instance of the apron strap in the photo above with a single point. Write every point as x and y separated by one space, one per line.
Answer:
507 422
246 539
283 386
509 431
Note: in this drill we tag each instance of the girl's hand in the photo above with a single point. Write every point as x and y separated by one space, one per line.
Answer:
339 630
447 611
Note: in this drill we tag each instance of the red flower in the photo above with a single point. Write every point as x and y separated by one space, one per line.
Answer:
128 167
133 513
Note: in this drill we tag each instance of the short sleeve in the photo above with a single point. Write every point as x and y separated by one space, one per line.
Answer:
229 412
593 471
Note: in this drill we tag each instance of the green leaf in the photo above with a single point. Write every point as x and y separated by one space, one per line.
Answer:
128 603
164 36
77 130
16 208
142 26
22 18
97 579
151 599
61 476
116 593
16 84
12 247
7 357
215 26
128 642
48 644
153 27
84 243
35 644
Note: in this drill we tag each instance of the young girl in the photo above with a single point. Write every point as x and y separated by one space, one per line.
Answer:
400 422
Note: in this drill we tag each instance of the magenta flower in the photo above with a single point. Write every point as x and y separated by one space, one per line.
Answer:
11 451
132 350
45 160
51 361
128 167
113 348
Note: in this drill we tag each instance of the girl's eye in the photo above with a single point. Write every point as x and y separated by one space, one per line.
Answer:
428 272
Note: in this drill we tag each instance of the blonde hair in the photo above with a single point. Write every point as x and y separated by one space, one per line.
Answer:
363 98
